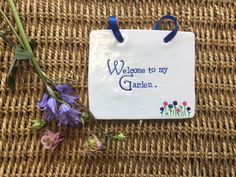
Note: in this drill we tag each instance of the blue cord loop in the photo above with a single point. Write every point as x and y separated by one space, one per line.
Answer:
115 29
172 34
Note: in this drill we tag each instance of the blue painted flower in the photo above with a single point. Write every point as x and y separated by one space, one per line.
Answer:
65 91
175 103
68 115
188 109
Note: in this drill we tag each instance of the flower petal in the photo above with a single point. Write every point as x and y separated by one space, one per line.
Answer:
64 88
43 102
69 98
64 108
52 104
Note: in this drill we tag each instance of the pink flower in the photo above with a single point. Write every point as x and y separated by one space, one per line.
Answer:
165 103
50 139
184 103
178 110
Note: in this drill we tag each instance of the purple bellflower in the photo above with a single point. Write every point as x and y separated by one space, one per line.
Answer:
64 113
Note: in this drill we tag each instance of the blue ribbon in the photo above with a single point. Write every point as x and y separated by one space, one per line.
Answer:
115 29
172 34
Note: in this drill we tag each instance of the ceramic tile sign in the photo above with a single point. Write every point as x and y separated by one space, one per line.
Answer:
142 77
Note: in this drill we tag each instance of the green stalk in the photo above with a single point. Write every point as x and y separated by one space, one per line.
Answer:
25 41
11 26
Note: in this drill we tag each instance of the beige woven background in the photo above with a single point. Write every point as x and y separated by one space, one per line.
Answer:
203 146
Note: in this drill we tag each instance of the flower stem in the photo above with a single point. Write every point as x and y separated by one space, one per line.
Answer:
11 26
25 41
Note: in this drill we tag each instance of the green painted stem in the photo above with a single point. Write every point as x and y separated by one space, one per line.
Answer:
25 41
185 114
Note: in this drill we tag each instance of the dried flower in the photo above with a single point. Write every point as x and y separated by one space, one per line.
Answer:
93 144
38 124
50 139
120 137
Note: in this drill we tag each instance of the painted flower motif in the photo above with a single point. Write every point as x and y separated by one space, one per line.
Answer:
50 139
175 103
162 109
175 109
178 110
170 106
165 103
68 115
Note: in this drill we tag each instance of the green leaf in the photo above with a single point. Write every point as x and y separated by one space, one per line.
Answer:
11 82
10 78
22 54
38 124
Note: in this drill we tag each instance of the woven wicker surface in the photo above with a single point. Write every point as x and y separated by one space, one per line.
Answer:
203 146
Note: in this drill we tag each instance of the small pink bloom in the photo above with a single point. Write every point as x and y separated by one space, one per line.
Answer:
178 110
165 103
184 103
51 139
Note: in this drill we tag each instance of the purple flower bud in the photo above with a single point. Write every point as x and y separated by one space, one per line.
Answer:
188 108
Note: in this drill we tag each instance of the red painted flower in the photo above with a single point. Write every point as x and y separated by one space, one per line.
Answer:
165 103
184 103
178 110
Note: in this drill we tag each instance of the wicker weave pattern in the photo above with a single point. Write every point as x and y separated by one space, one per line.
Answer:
203 146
